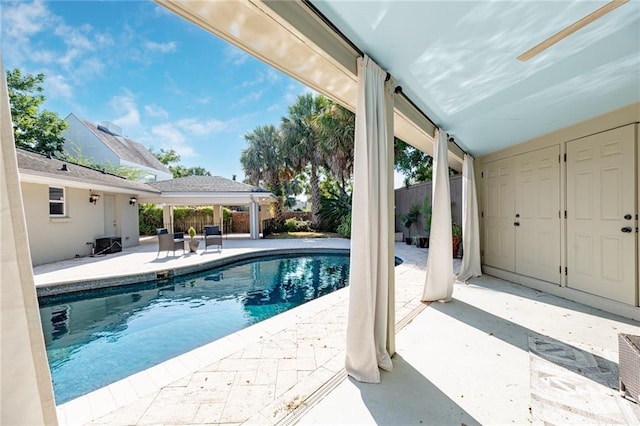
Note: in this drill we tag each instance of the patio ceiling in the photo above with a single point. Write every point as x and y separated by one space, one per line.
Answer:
456 61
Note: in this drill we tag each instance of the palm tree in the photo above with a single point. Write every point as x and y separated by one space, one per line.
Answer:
337 130
262 160
302 143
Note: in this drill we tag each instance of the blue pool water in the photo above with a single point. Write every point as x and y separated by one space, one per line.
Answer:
96 338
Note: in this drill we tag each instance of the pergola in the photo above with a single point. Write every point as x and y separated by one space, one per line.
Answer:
213 191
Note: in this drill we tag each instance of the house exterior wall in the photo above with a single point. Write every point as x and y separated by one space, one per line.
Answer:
129 221
81 141
613 120
53 239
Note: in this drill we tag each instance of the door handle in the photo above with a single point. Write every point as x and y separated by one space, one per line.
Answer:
518 224
626 229
628 217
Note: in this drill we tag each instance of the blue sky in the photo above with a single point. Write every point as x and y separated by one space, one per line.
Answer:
166 82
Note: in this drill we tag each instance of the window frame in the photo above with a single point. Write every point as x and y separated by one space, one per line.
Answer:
62 202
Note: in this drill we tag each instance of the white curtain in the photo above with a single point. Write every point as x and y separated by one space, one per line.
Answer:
26 396
370 326
439 281
470 224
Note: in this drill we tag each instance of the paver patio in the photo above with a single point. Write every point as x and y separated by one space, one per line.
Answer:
465 361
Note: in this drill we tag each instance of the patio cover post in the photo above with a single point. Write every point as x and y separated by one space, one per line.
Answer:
470 223
370 325
26 395
439 280
253 219
167 218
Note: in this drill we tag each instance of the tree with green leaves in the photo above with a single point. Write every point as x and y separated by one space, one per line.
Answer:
336 126
416 165
166 156
127 172
302 143
263 160
34 129
169 156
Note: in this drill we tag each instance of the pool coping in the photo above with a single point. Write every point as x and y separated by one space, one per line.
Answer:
105 400
58 288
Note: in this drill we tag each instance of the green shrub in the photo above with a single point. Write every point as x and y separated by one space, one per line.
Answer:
295 225
344 228
150 217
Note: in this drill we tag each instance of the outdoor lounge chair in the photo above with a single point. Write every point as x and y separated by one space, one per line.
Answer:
212 236
169 242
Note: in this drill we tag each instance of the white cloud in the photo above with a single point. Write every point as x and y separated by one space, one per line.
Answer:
201 128
58 87
270 76
169 47
154 110
251 97
235 56
76 37
24 19
127 110
170 137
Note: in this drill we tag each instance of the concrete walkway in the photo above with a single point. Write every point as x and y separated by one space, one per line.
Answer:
488 357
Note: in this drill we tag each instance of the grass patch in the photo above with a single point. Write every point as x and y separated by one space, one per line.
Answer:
312 234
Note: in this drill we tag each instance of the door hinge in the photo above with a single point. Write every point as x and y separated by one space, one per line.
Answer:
481 174
565 214
559 159
482 214
560 269
566 272
565 157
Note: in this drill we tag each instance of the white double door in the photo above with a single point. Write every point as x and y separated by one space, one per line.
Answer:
601 215
522 214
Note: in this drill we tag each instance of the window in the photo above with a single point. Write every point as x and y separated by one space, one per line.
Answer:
56 201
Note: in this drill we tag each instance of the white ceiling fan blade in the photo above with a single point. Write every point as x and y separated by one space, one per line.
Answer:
571 29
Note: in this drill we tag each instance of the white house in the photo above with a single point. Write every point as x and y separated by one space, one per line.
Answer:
104 143
72 210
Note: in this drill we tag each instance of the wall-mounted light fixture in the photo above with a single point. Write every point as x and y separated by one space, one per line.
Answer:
133 201
93 198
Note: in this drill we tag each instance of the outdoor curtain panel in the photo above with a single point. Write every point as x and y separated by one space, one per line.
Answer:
370 323
439 282
25 381
470 223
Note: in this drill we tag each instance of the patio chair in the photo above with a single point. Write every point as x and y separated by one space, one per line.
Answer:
212 236
170 242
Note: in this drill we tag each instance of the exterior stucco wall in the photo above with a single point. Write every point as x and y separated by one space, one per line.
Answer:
81 141
54 239
129 221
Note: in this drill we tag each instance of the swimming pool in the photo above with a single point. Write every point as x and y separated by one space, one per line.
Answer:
96 338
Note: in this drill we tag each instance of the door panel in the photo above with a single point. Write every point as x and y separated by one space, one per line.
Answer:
600 192
110 224
537 237
498 215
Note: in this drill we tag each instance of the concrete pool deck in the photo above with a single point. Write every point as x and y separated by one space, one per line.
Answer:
490 356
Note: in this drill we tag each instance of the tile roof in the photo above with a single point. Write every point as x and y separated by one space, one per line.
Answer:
204 184
40 164
125 148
